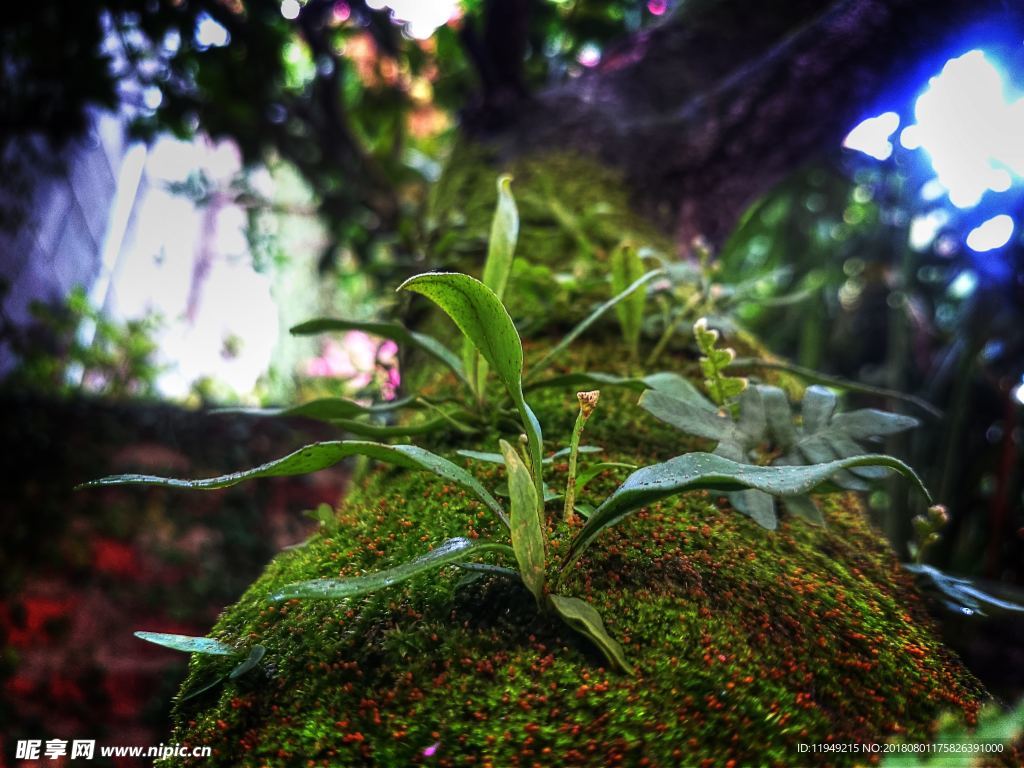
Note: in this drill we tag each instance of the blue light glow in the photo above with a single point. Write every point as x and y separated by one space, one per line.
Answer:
972 132
992 234
872 136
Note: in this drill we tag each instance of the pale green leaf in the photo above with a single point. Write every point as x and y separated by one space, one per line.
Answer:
188 644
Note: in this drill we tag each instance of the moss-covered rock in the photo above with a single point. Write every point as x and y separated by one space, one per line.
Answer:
746 643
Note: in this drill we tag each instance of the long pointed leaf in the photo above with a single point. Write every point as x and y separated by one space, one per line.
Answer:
319 456
694 471
387 330
327 409
187 643
527 524
451 551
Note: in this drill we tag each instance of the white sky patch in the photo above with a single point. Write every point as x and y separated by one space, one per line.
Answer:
972 132
992 234
872 135
290 9
155 274
420 17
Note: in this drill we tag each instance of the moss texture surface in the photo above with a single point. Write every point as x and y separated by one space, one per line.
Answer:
746 642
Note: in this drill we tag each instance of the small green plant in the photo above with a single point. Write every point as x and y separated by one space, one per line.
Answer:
755 425
487 328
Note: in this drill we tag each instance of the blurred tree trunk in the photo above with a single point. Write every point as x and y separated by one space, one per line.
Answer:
708 110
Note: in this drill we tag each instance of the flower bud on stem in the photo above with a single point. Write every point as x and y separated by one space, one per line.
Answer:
588 402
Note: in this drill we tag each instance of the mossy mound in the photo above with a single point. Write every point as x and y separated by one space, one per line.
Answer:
746 642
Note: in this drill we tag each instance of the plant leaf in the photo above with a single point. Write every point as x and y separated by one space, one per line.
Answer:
694 471
483 319
757 505
326 409
585 619
255 654
826 435
386 330
319 456
450 551
669 383
626 268
961 594
501 246
804 506
701 420
570 337
501 249
527 523
188 644
497 458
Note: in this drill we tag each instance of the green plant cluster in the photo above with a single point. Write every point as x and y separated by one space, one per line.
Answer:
74 347
491 344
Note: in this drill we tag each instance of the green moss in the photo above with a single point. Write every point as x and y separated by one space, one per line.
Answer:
746 643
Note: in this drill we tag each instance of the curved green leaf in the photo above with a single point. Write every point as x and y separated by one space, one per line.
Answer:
695 471
386 330
326 409
255 655
501 247
188 644
527 524
483 319
450 551
480 315
585 619
317 456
